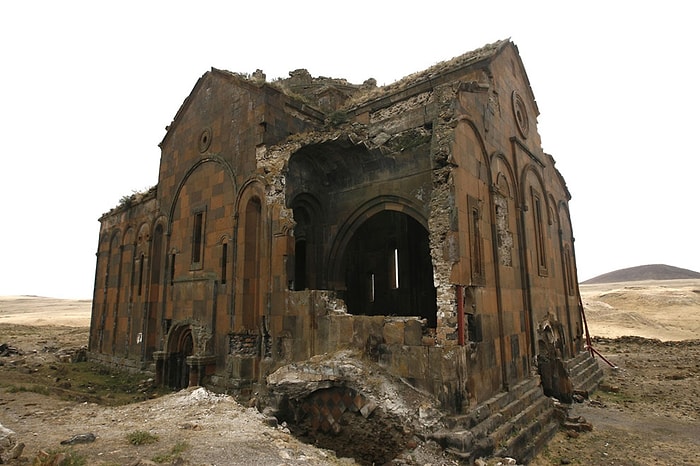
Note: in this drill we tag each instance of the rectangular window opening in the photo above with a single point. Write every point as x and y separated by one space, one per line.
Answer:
172 269
197 236
141 261
568 271
371 288
224 262
394 270
475 241
539 235
477 253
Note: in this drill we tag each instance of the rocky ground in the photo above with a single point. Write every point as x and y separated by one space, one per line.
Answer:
47 399
646 411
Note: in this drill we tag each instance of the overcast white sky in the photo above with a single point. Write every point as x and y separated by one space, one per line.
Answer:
87 89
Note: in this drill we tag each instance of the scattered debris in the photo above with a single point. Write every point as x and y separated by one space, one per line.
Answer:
7 350
496 462
10 448
577 424
580 396
608 387
16 451
80 438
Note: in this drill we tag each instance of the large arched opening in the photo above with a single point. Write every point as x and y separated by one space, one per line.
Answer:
388 269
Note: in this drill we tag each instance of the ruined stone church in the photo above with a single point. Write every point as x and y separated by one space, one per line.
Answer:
419 223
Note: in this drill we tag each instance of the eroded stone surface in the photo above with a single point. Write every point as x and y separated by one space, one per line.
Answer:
419 224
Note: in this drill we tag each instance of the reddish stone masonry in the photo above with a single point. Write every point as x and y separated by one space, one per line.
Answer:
420 222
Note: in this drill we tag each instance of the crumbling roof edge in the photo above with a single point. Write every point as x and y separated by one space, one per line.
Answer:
131 200
560 177
244 81
435 75
237 77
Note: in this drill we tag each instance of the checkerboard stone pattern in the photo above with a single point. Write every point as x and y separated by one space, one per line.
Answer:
325 407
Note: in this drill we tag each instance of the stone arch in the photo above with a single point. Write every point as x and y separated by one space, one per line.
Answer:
565 220
382 262
355 220
129 248
143 236
552 213
224 243
109 243
471 216
308 243
158 255
100 292
251 262
102 333
252 257
104 241
104 251
570 279
113 259
129 236
505 199
503 185
180 344
473 142
528 171
503 174
176 197
335 165
555 232
140 259
154 289
330 178
536 220
345 412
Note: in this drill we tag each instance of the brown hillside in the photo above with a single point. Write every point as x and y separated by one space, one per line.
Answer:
644 272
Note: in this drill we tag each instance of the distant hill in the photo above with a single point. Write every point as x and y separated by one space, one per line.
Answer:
644 272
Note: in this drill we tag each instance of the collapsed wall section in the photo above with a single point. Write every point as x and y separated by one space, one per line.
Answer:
404 227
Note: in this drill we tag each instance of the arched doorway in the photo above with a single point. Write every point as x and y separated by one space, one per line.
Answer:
388 268
180 346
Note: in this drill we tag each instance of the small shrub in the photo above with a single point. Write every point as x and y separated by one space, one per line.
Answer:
175 451
337 118
40 389
179 447
125 201
141 437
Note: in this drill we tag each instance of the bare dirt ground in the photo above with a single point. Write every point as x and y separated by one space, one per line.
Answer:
646 412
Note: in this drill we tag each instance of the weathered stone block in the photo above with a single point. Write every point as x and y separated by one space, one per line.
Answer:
366 328
340 331
415 362
413 333
393 332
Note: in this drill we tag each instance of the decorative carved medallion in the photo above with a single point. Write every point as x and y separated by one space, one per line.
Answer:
520 114
205 140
